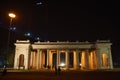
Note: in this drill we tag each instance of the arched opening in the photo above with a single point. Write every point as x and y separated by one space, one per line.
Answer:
54 59
62 59
71 58
21 60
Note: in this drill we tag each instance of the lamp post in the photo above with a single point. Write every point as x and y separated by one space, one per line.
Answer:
11 15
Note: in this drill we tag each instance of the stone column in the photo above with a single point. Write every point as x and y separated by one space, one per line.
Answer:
83 60
26 59
31 59
38 61
50 60
40 58
57 61
110 59
67 59
75 59
16 61
95 59
92 60
99 60
47 57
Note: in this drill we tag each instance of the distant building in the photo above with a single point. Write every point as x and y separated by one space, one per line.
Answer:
68 55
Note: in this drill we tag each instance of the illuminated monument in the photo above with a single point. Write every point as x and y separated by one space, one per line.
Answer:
68 55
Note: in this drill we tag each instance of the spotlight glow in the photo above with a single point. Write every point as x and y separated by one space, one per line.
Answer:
62 64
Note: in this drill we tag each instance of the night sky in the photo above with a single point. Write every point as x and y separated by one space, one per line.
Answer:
82 20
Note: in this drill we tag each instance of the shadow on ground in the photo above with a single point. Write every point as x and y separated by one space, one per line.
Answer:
64 75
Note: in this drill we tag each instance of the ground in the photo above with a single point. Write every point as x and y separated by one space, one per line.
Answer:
64 75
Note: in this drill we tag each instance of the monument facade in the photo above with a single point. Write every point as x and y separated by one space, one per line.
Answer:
67 55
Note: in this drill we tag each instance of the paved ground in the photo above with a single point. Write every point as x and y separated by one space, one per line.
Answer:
68 75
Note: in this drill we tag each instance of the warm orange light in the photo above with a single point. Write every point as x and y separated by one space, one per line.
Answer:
12 15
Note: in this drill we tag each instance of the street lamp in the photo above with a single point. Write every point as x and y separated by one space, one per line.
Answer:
11 15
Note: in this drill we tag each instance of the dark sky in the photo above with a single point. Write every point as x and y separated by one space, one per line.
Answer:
65 20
